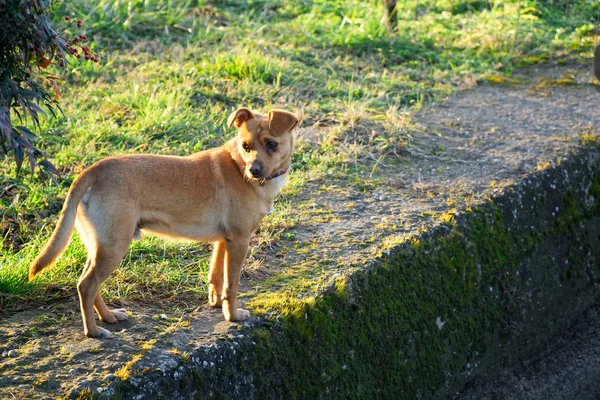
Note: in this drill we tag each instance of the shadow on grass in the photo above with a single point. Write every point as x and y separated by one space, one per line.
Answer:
391 51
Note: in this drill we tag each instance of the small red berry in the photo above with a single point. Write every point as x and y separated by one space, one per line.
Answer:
95 60
82 37
61 64
79 23
85 49
87 58
76 40
78 56
67 18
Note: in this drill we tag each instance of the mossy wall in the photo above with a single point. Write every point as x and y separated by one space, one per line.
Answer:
460 300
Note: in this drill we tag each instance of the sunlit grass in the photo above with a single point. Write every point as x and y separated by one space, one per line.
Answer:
171 72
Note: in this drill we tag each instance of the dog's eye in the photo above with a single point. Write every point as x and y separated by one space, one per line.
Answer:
271 145
246 147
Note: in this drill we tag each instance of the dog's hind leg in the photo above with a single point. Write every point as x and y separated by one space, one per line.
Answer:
104 262
106 315
86 231
215 275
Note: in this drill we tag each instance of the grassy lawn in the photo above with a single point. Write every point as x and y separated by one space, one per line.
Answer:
171 72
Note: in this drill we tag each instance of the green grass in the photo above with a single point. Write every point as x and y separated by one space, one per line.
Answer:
171 72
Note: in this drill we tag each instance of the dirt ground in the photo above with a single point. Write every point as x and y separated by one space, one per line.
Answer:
464 150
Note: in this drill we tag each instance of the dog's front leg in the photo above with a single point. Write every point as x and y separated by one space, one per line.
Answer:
235 253
215 275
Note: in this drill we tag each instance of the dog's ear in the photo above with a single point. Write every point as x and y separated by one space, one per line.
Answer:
239 116
281 121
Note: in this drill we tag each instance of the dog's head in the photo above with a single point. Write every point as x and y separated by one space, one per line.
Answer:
264 142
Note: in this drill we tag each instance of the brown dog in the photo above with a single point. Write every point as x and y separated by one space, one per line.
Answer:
219 195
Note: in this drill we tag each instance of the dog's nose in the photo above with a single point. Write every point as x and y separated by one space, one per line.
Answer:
256 169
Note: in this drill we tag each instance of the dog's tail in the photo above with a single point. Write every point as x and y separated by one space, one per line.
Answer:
64 228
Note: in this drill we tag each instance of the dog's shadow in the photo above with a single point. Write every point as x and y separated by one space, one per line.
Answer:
119 326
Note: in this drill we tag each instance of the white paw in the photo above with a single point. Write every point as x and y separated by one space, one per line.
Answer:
242 314
100 333
114 316
239 315
104 333
120 314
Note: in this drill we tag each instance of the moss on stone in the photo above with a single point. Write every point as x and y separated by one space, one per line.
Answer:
420 318
389 333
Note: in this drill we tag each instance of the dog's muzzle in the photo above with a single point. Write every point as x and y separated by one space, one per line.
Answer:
256 169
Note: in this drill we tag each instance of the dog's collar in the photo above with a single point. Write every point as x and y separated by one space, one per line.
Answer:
275 175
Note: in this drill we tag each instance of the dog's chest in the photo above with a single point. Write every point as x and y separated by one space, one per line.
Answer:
275 187
279 183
